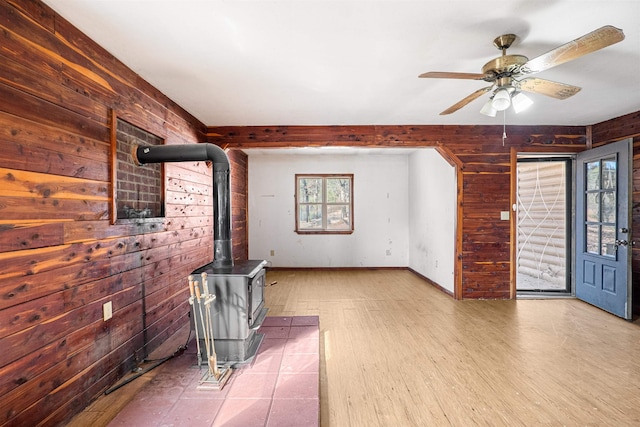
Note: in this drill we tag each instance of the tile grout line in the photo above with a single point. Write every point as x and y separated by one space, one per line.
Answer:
275 385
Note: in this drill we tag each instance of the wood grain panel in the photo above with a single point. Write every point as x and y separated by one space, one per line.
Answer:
31 146
20 406
63 258
31 81
31 262
30 184
627 126
19 289
81 231
31 107
239 208
19 208
24 235
48 308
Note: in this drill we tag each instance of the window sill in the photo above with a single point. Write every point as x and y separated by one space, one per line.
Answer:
158 219
323 232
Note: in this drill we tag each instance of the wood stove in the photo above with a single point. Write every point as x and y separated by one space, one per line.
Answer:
238 310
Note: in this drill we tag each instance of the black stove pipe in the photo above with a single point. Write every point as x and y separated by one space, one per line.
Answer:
222 248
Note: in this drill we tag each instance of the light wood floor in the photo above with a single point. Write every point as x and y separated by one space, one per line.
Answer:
397 352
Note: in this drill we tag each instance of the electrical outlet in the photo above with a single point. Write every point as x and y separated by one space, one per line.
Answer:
273 252
107 310
388 252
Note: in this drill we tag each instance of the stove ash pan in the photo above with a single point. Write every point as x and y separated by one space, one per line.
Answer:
237 311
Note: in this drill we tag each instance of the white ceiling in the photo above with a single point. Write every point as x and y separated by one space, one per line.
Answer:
351 62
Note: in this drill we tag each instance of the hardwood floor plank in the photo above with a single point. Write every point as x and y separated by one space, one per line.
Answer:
396 351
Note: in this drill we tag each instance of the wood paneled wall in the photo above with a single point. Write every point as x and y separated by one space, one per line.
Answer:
484 173
239 190
60 258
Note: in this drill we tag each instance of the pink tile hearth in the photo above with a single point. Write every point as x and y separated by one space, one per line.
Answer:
279 388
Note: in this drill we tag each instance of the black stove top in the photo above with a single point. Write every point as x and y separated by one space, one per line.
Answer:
240 268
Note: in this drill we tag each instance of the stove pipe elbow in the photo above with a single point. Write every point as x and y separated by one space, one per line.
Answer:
222 247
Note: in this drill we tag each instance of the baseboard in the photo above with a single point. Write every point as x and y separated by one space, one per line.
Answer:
432 283
335 268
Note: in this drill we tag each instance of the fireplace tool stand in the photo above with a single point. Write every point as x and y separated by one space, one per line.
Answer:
216 376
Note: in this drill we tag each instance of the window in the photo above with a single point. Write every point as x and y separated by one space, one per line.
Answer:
324 204
137 190
601 207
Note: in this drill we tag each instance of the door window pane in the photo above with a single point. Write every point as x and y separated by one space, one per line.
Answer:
609 173
609 207
593 239
608 240
592 175
593 207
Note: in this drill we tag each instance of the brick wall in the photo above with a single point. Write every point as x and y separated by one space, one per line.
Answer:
139 189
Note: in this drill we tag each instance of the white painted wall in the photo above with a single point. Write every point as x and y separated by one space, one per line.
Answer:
404 204
381 211
432 217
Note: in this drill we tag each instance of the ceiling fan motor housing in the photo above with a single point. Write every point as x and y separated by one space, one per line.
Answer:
504 66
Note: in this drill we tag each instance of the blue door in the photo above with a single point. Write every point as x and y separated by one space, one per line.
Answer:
603 228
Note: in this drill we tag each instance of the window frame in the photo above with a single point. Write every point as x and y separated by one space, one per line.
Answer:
324 203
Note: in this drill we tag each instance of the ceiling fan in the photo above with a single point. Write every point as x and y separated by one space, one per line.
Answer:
509 73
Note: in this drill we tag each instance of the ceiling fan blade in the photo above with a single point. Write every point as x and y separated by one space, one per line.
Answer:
548 87
477 94
595 40
447 75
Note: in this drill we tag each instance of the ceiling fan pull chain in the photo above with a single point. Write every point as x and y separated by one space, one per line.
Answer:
504 126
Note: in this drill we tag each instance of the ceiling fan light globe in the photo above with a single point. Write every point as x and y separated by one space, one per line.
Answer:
488 110
501 100
521 102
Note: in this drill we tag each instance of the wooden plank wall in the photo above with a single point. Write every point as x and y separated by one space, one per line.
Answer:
60 259
483 264
239 190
